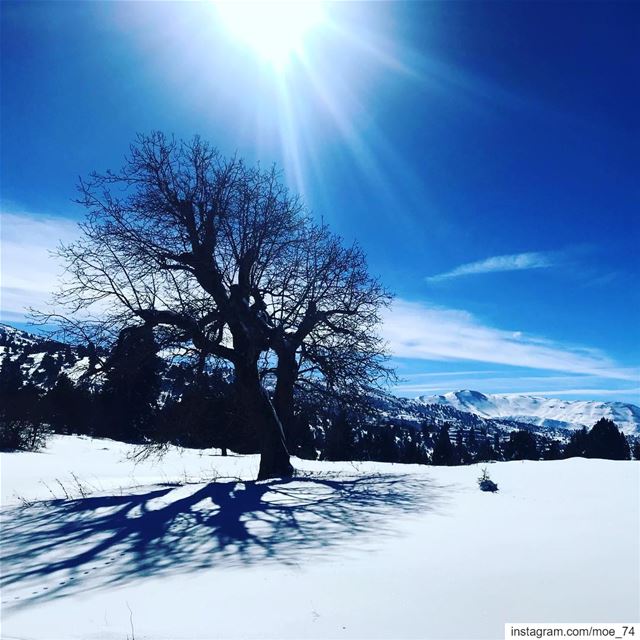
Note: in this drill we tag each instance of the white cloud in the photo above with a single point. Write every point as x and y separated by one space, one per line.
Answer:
29 271
540 384
414 330
514 262
439 374
635 391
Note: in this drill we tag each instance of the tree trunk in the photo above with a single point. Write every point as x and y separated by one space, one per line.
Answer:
256 405
283 398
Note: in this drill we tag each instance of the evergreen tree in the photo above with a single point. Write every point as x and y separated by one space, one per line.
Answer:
472 443
66 355
553 451
521 446
443 452
301 438
21 425
67 408
412 451
605 440
201 418
461 452
497 448
636 449
131 387
11 382
340 438
49 368
11 378
427 431
577 445
485 451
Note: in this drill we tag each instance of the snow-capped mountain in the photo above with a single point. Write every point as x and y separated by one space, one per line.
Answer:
541 411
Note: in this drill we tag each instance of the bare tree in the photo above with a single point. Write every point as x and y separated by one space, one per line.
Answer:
220 256
327 312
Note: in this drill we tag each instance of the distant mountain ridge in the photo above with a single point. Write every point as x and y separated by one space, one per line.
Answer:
539 410
42 360
412 412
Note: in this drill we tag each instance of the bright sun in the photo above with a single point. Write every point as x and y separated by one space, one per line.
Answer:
274 30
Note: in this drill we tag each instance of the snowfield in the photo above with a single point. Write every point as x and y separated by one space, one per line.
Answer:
190 547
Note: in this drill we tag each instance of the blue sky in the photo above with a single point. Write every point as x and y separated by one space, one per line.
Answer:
485 155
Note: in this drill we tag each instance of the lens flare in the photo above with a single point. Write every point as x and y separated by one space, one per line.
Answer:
274 30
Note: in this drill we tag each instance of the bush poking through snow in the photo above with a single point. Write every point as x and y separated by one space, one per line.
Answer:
486 483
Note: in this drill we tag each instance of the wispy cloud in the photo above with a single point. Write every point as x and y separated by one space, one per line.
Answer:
29 272
540 384
633 392
513 262
414 330
439 374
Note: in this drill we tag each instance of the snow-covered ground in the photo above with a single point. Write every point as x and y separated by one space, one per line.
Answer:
363 550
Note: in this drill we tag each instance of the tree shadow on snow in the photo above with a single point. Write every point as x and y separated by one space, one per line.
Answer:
59 547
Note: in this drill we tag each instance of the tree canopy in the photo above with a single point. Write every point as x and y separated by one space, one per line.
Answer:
220 258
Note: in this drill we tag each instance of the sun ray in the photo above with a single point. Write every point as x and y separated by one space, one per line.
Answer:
318 59
274 30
